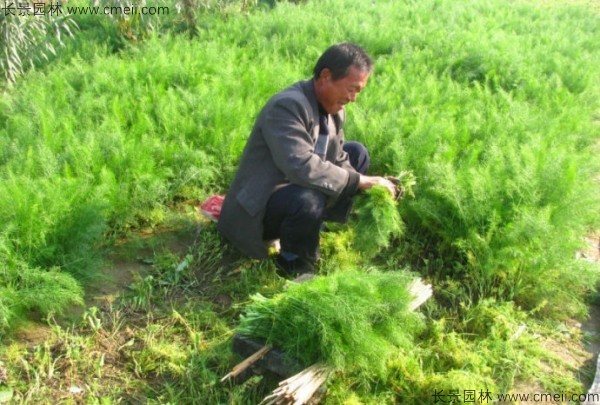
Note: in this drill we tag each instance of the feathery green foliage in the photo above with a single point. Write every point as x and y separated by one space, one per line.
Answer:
352 320
378 221
46 291
492 105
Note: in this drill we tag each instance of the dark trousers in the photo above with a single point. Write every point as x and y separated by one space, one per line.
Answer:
294 214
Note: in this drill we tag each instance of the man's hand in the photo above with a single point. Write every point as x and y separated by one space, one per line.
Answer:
367 182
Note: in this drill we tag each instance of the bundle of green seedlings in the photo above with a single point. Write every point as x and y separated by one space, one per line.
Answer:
352 321
378 217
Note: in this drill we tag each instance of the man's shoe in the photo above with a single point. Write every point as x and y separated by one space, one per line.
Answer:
293 268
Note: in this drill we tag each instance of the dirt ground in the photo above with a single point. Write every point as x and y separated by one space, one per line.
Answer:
582 356
131 257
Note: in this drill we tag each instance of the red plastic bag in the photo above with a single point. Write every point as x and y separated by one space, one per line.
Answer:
211 208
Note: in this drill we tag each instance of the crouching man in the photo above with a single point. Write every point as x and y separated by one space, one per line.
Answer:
296 170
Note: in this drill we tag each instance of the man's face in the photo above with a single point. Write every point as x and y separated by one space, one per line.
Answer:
333 95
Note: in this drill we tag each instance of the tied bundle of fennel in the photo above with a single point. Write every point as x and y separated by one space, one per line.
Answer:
352 321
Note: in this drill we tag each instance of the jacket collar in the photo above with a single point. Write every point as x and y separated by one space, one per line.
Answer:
308 88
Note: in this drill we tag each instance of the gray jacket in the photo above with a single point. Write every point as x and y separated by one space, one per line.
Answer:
280 151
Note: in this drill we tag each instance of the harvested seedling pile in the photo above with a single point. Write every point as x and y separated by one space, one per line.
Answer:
352 321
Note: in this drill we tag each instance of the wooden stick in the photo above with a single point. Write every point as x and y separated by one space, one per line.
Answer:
247 363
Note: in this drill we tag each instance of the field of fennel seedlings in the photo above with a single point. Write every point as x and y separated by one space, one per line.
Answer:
493 106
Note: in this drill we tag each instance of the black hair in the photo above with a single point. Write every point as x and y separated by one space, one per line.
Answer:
338 59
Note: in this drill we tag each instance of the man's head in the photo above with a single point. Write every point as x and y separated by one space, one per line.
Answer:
340 74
